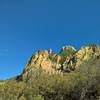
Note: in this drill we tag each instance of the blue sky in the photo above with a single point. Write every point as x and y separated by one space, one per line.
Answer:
29 25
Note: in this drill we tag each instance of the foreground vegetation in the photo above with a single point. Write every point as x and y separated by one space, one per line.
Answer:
81 84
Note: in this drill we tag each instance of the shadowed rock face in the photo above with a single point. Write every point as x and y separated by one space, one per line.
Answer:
66 61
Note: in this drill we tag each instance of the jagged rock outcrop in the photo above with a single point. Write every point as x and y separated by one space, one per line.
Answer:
66 61
47 61
87 53
39 61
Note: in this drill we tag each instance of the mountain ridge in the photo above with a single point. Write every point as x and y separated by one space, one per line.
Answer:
68 59
68 75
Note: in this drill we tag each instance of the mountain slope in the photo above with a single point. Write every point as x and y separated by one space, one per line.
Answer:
68 75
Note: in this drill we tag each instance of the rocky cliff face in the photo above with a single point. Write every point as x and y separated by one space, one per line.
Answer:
87 53
66 61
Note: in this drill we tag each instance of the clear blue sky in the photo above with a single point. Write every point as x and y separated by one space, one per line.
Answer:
29 25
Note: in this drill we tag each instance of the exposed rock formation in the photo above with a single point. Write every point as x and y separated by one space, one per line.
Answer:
87 53
66 61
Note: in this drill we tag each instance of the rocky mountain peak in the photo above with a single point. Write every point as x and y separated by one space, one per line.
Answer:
66 48
67 60
87 53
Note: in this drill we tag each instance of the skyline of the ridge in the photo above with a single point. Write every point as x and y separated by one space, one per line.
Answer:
29 25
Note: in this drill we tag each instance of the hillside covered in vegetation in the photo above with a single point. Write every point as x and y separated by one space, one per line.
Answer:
68 75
